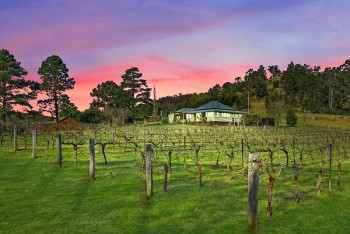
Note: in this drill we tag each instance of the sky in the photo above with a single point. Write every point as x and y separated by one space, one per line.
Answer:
180 46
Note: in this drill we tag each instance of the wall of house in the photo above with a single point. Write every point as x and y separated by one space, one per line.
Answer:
223 117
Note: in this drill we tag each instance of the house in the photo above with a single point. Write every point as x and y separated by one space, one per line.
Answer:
213 111
67 120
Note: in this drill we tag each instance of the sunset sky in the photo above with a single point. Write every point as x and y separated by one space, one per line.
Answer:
180 46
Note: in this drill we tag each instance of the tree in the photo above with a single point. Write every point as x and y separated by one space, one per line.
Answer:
108 95
291 118
111 99
275 110
274 70
55 81
91 115
136 87
14 89
256 81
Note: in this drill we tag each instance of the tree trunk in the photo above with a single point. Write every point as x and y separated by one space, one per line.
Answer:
270 195
103 147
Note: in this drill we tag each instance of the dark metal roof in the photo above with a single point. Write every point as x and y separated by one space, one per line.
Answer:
213 106
185 110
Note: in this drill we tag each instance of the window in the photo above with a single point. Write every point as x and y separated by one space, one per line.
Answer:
226 115
210 114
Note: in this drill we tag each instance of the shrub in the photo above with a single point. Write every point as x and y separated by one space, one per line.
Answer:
291 118
164 120
251 120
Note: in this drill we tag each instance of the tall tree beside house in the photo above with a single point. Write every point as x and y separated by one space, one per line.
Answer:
14 89
137 88
55 81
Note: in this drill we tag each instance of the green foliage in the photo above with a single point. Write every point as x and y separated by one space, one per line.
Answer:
256 81
109 95
14 89
274 70
291 118
251 120
136 87
55 81
276 110
92 115
164 120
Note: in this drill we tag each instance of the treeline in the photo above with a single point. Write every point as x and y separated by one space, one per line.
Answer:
299 87
125 102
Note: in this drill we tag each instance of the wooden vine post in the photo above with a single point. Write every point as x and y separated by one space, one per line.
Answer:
253 188
149 176
166 171
59 150
15 139
242 145
92 159
330 167
34 143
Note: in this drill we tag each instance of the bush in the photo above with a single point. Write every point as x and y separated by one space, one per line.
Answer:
291 118
251 120
164 120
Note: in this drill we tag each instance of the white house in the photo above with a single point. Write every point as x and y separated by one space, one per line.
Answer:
213 111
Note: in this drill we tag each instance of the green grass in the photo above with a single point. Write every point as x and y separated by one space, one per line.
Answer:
38 197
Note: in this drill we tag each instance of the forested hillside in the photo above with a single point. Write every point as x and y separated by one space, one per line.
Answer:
300 87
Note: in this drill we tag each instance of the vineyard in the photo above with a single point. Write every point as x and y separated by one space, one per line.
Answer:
297 165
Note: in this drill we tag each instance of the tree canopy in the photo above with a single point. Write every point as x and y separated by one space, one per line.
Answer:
55 81
14 89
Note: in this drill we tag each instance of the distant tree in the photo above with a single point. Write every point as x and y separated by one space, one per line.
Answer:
274 70
136 87
14 89
108 95
92 115
55 81
276 110
291 118
256 81
214 91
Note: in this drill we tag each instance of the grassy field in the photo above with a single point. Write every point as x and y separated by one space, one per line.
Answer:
38 197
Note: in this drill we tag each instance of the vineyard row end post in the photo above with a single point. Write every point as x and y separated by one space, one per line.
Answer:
92 158
59 150
253 188
149 176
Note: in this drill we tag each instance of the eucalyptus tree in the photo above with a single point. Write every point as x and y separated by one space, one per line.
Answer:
14 89
55 81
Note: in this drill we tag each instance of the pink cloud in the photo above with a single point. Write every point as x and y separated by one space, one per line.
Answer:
170 78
